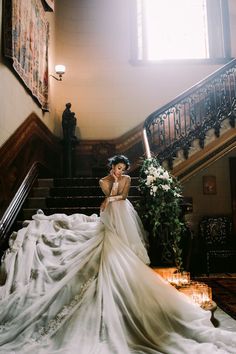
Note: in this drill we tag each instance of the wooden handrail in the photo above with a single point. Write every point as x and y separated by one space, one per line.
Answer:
16 203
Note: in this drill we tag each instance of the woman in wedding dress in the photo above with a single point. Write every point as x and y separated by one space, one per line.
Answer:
79 285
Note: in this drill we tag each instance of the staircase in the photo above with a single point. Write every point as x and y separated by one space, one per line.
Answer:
197 126
187 134
67 196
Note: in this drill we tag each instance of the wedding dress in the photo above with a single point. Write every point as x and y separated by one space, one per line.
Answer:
79 285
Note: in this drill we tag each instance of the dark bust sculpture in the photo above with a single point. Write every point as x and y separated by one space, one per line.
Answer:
68 124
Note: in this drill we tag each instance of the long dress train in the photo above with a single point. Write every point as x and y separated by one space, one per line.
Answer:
77 284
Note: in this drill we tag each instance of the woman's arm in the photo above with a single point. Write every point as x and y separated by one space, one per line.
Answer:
114 196
111 190
105 186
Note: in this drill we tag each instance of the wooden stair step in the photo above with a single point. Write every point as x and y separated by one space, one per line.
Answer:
74 201
78 181
44 182
68 196
35 202
29 212
40 192
75 191
83 191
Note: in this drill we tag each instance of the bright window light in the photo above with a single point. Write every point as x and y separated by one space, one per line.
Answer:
172 29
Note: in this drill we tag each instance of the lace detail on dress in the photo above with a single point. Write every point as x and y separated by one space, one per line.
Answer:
4 328
14 244
34 274
54 324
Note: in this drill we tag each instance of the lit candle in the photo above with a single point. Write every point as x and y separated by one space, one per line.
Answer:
146 144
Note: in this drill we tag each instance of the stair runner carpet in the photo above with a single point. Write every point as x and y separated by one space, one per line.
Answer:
69 196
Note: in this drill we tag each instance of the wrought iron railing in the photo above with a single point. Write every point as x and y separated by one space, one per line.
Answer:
190 115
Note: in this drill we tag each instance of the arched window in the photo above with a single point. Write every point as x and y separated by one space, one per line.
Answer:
182 30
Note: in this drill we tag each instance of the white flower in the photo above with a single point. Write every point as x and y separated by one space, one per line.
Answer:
151 170
160 169
177 194
156 173
150 180
154 189
165 187
165 175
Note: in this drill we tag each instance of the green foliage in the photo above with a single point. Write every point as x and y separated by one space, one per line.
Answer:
160 205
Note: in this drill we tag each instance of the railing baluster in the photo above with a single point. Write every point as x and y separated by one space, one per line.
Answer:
201 107
185 120
234 82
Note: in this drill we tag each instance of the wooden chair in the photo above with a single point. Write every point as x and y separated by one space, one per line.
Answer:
219 246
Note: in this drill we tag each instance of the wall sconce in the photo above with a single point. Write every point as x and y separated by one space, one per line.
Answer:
60 70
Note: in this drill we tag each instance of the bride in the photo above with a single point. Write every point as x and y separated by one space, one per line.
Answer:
79 284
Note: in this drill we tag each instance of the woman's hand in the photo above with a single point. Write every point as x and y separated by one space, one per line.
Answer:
113 175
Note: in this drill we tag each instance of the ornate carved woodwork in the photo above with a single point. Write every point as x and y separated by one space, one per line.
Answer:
31 143
189 116
91 155
203 158
218 243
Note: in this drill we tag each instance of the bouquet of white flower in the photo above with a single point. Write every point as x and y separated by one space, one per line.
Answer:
159 207
158 179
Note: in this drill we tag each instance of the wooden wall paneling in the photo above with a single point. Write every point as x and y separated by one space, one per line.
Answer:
32 142
91 155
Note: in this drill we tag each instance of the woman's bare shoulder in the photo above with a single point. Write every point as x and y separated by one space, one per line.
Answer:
127 177
107 178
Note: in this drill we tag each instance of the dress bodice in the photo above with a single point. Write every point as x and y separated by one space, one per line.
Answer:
106 184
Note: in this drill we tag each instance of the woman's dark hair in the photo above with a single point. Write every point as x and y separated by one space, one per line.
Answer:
118 159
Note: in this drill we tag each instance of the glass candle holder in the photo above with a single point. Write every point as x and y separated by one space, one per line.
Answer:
185 278
201 294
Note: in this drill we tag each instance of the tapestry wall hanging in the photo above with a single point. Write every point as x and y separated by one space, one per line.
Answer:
26 36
